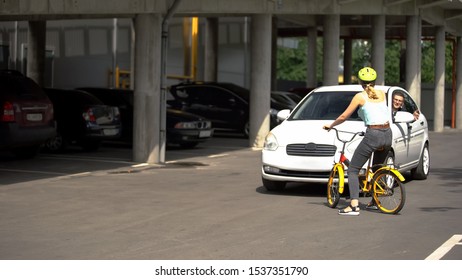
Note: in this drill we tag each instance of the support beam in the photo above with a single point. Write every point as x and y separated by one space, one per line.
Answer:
412 78
260 87
311 79
378 47
331 50
459 84
36 40
146 123
211 50
440 51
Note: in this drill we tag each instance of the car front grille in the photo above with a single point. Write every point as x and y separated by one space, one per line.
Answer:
302 174
311 150
203 124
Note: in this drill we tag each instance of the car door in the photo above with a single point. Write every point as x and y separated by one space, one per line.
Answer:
407 137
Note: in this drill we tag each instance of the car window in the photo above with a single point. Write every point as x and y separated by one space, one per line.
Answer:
409 104
324 106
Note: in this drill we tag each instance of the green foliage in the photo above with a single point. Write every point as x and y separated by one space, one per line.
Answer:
291 62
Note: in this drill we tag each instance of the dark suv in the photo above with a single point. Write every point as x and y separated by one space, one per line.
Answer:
225 104
26 115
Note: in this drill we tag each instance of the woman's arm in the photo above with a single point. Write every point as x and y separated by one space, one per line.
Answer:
355 102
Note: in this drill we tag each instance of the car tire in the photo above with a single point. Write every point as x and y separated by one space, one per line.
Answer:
56 144
246 129
423 168
390 159
273 185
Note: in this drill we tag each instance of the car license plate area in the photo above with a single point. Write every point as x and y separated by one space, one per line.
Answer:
205 133
34 117
110 131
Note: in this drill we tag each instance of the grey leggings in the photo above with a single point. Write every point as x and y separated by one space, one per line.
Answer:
374 139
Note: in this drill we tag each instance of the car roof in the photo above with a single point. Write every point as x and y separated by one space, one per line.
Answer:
357 88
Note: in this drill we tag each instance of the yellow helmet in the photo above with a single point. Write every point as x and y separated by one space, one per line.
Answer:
367 74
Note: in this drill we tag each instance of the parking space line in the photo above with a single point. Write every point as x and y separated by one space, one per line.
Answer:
446 247
94 159
33 171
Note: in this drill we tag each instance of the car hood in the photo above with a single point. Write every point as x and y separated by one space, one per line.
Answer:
183 116
299 131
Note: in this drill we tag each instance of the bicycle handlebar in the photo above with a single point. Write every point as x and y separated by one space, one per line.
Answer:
360 133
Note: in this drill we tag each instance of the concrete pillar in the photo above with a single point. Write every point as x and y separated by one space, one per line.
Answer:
147 124
331 40
459 84
211 50
412 60
312 47
260 84
36 40
274 53
378 47
347 61
440 51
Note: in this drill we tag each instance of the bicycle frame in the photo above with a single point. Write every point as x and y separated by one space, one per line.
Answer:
382 183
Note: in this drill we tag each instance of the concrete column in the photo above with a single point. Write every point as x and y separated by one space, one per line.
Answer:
36 40
260 84
440 51
347 60
412 61
459 84
147 126
211 50
312 47
331 40
274 53
378 47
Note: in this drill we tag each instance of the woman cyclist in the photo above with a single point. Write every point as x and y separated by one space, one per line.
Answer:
374 112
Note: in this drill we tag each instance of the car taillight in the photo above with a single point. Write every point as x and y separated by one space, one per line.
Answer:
8 112
89 116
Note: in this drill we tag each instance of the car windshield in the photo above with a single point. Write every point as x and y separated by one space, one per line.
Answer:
324 106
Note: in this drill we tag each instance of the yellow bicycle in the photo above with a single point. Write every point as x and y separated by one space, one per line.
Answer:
383 184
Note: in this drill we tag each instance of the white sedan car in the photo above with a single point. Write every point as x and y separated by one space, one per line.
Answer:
299 150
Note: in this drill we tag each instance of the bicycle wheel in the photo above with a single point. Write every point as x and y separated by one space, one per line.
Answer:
333 194
388 192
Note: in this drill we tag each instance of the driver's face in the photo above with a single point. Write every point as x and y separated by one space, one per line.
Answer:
397 101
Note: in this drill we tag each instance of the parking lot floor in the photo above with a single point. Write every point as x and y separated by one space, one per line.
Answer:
206 203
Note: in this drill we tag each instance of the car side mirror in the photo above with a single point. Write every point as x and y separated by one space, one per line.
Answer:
403 117
283 114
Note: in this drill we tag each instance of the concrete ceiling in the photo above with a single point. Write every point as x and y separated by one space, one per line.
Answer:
293 15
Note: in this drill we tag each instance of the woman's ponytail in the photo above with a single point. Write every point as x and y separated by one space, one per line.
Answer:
370 90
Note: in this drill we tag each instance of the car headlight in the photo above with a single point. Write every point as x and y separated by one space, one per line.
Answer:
185 125
271 143
273 112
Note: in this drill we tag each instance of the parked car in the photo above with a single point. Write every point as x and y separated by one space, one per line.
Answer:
184 129
289 98
225 104
82 119
26 115
299 150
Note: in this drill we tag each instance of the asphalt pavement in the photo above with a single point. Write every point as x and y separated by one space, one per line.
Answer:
209 203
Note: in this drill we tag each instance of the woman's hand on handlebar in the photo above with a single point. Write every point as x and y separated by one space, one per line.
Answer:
327 127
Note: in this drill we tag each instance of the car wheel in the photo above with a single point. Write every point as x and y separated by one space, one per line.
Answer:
390 159
422 170
246 129
56 144
273 185
26 152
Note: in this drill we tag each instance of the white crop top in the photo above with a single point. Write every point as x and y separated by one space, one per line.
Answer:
373 113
